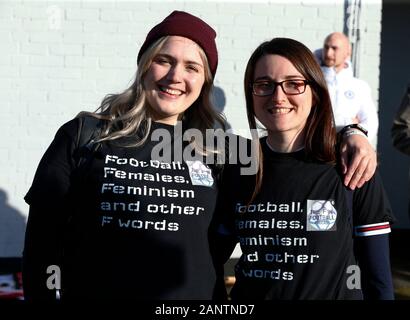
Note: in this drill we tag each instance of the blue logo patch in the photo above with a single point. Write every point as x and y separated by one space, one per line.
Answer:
349 94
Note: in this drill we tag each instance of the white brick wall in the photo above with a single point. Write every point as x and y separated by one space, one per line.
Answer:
60 57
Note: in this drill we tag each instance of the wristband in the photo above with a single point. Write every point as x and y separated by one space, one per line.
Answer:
354 126
352 132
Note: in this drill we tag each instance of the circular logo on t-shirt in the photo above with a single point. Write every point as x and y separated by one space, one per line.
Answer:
321 215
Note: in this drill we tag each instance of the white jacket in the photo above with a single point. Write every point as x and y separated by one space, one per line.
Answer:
351 98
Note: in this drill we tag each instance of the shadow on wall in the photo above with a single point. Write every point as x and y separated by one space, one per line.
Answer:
219 102
12 228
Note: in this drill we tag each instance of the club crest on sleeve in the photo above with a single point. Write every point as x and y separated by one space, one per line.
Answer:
200 174
321 215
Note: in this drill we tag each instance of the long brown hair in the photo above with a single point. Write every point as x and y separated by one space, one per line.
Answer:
320 138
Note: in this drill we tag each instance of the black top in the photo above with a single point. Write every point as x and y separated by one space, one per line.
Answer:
297 235
138 227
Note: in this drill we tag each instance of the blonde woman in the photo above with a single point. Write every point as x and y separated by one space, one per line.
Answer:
137 226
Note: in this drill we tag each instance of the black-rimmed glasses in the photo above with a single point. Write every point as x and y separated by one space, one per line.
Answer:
291 87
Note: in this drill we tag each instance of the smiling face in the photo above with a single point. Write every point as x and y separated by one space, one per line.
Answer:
281 114
174 79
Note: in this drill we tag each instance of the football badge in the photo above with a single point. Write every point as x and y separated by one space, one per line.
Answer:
201 175
321 215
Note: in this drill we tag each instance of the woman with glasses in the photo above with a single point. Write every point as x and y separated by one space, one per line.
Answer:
303 234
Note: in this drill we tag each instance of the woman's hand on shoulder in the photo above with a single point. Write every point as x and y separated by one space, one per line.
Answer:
359 160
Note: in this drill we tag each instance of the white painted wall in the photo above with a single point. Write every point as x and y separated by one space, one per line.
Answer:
60 57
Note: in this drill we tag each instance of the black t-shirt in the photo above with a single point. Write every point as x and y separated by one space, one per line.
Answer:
297 234
138 225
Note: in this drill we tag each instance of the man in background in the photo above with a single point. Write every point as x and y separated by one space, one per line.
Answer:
351 97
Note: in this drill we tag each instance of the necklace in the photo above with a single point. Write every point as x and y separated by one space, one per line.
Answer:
273 149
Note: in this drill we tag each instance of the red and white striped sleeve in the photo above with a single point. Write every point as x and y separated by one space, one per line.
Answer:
372 229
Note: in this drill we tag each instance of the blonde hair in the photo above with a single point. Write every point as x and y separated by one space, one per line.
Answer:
128 113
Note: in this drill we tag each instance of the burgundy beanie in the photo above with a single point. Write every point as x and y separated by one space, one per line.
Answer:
180 23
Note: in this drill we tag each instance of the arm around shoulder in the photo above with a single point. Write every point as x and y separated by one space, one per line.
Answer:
358 159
